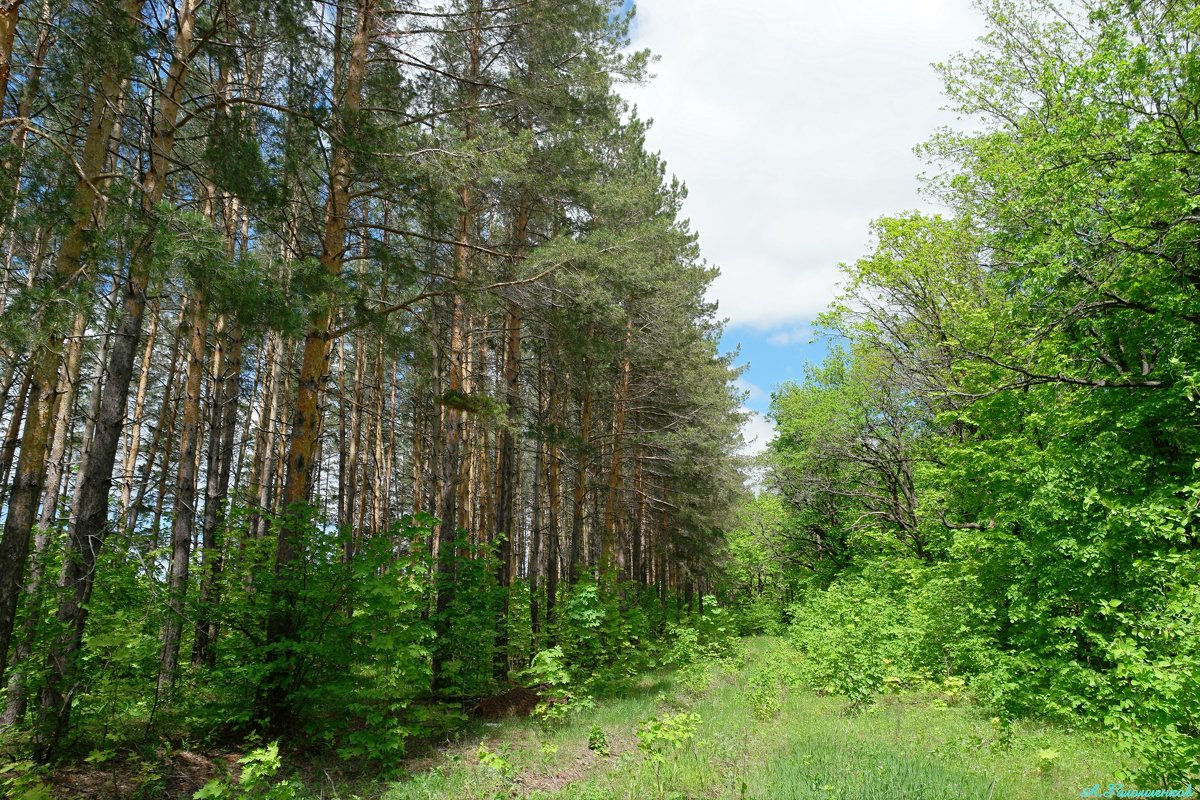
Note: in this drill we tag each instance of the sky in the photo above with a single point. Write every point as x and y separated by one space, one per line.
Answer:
793 124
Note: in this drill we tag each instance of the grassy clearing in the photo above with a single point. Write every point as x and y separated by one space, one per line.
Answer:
761 738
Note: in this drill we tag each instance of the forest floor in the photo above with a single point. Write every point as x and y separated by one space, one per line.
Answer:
753 735
759 738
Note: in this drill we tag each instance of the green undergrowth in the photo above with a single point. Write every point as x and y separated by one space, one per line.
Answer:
744 726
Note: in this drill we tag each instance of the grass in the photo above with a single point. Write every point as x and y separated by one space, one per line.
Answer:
763 738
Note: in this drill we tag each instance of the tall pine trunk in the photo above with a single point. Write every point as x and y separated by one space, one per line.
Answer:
223 423
452 419
553 493
509 466
274 694
38 431
62 417
10 13
134 440
608 537
579 495
8 451
86 537
183 517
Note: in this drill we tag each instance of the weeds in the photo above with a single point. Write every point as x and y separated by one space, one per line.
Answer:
714 744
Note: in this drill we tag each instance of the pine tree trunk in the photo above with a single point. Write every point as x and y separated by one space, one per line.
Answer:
162 442
452 421
663 543
38 430
343 442
14 163
608 536
637 541
356 397
506 512
449 469
508 467
279 354
390 460
62 416
553 492
91 524
580 490
535 527
223 424
183 517
134 440
10 12
302 444
380 498
8 451
418 453
93 409
17 696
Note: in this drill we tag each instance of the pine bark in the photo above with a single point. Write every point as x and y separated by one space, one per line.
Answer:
508 466
608 537
223 424
162 442
580 489
183 518
553 493
62 416
452 420
302 444
10 12
262 470
8 451
86 537
38 430
134 442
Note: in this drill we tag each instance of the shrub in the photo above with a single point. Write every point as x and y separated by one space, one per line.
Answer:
851 638
762 690
761 614
598 741
603 637
549 675
256 781
365 671
496 762
1155 683
659 736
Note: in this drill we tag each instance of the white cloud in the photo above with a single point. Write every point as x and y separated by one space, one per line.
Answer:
788 336
793 125
754 393
758 431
